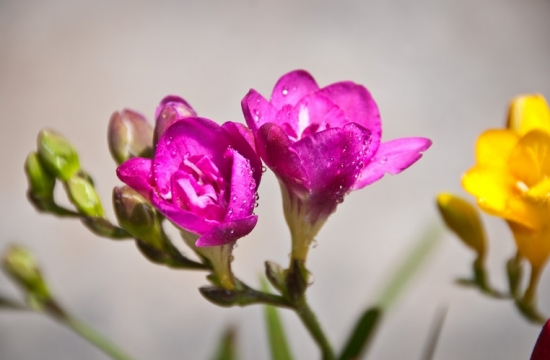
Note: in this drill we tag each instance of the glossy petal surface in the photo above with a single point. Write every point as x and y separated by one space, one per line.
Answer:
203 176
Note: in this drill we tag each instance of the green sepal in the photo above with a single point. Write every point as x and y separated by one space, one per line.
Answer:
57 154
276 276
242 295
296 280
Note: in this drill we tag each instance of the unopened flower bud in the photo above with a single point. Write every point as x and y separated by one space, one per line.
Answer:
21 266
275 274
138 217
57 154
129 135
463 219
84 196
41 183
170 109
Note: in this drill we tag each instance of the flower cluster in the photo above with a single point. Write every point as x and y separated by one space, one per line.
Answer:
510 180
321 144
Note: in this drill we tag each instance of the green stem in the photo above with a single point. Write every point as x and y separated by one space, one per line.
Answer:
95 338
530 296
310 321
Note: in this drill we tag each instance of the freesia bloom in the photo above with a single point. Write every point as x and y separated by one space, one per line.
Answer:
203 177
321 144
511 178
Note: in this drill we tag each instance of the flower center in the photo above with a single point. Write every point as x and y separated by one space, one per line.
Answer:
199 188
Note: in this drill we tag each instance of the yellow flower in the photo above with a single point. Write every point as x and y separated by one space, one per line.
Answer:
511 178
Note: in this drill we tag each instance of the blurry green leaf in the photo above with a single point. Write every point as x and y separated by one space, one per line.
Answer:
362 334
435 331
278 343
413 261
227 349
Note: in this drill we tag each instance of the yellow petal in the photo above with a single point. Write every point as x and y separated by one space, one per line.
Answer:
533 245
497 194
530 159
528 112
540 192
493 147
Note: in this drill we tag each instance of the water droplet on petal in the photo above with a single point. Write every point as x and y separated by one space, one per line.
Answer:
285 91
383 160
264 169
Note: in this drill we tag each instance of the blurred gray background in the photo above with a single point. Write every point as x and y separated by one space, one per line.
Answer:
437 68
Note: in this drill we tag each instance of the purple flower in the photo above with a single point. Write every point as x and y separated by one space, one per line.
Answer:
203 176
321 144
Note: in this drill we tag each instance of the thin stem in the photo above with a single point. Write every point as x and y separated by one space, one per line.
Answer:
529 298
95 338
310 321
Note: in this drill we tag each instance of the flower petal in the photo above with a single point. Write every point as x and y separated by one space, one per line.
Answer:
170 109
392 157
184 137
493 147
228 232
136 173
274 148
497 193
332 159
292 87
530 159
358 105
529 112
243 188
313 113
257 110
242 140
183 218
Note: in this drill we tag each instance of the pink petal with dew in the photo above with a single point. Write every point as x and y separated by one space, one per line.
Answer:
243 188
183 218
392 157
292 87
136 173
358 106
242 140
274 148
333 159
257 110
185 137
228 232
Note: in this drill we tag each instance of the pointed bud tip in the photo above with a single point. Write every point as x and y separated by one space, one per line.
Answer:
129 135
57 154
84 196
463 219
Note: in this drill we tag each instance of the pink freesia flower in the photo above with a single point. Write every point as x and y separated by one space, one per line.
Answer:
321 144
203 176
542 347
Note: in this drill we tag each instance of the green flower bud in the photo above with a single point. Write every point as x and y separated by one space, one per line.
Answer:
276 275
57 154
84 197
41 183
138 217
463 219
129 135
21 266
